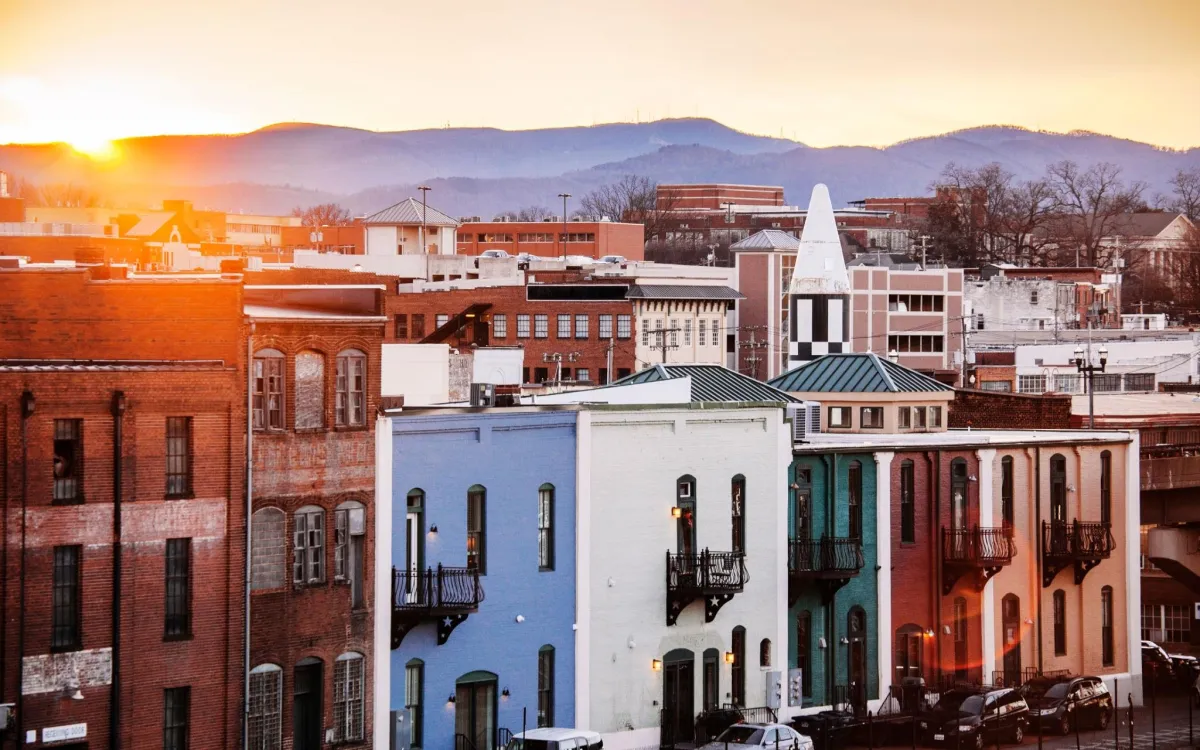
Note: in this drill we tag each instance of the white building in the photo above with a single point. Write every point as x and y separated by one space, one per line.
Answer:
1020 304
410 228
1136 365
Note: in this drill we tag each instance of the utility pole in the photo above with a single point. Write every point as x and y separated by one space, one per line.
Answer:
962 351
424 232
564 196
924 247
557 358
609 361
661 343
753 346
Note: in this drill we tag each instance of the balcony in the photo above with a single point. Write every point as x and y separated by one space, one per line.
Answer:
445 595
715 576
830 562
979 551
1083 545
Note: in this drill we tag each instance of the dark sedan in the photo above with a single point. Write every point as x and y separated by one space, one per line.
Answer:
974 718
1063 704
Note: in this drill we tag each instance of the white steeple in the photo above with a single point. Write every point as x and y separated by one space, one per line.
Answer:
820 268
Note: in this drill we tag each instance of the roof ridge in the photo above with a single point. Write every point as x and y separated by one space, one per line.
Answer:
887 376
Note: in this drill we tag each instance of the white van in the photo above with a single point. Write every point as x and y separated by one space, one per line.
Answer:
554 738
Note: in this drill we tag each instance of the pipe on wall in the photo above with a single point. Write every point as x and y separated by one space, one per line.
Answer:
114 703
1037 529
249 540
27 406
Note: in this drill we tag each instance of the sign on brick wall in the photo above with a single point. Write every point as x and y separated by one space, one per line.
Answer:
48 673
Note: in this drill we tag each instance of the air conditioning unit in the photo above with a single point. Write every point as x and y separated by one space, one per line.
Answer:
806 419
501 219
483 394
6 709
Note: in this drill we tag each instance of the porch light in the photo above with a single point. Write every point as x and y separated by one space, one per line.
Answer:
676 511
929 633
433 529
450 699
729 657
656 665
504 693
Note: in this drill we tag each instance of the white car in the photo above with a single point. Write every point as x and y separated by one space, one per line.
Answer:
555 738
760 735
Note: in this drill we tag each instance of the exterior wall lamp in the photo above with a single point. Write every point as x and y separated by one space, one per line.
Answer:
450 700
433 529
729 657
929 633
504 693
656 665
676 511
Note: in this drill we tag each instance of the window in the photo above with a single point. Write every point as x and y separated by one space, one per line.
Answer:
764 652
540 374
711 680
1004 386
918 417
1106 487
268 390
603 376
348 702
583 375
1058 499
1106 626
581 327
418 326
564 326
606 327
1033 297
1106 383
351 388
1152 623
804 650
908 525
310 391
68 460
1031 383
1006 490
266 707
179 456
541 326
178 610
737 504
65 627
441 320
916 343
349 534
872 417
624 326
701 328
401 326
1060 623
908 651
476 529
1066 383
1142 381
854 482
1177 623
500 326
905 415
687 332
414 701
839 416
623 372
737 670
935 416
645 332
674 330
268 551
522 326
916 302
176 702
546 527
308 546
545 687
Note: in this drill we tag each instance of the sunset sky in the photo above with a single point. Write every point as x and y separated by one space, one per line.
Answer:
856 72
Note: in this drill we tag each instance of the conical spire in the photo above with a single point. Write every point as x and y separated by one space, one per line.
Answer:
820 268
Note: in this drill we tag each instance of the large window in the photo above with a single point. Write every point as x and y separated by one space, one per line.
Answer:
1060 623
606 327
308 546
499 326
1143 381
414 701
1106 626
581 326
546 527
545 687
916 343
268 552
1058 498
737 671
68 460
908 523
266 707
872 417
477 529
418 326
1106 487
624 326
522 326
348 704
401 327
176 707
349 532
178 609
839 416
737 512
1006 490
351 392
564 326
310 391
1031 383
65 626
804 650
854 486
1177 622
541 326
179 456
268 390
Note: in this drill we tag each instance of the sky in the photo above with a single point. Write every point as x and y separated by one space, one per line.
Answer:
862 72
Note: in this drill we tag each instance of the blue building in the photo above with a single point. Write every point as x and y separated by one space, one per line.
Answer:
483 557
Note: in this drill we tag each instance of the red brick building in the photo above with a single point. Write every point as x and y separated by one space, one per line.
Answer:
591 239
123 508
714 197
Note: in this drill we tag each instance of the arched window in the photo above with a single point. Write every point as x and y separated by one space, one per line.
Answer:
737 503
804 650
685 526
310 390
855 487
1106 487
264 721
268 550
764 652
711 679
546 527
477 528
1060 623
737 671
908 513
414 701
909 650
802 523
958 494
268 397
1106 626
351 388
1006 490
349 677
1058 489
545 686
350 529
308 546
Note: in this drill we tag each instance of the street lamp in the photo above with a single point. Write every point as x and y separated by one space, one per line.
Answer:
1088 370
564 196
424 245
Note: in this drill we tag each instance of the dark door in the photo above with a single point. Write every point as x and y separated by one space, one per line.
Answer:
475 713
712 680
856 632
306 706
1011 624
958 507
686 525
1058 505
678 686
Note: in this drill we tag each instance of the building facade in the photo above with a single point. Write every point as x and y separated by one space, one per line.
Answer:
552 238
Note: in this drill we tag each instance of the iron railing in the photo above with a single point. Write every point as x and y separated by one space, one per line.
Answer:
825 555
978 545
1077 541
706 571
440 589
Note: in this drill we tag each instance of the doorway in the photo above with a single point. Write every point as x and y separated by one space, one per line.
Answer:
307 703
960 639
414 548
686 524
1058 505
1010 617
856 633
678 686
958 507
712 680
475 709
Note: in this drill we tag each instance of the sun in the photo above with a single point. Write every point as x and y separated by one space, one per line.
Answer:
96 148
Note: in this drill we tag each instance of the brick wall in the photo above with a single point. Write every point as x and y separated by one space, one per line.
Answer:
987 410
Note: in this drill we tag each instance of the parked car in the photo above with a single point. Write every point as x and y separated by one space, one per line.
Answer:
760 735
555 738
1059 704
969 718
1155 659
828 730
1186 668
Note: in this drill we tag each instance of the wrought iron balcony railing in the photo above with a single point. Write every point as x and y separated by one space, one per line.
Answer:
830 562
442 593
716 576
1084 545
980 551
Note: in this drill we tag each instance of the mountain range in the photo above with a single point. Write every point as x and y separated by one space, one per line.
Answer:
482 171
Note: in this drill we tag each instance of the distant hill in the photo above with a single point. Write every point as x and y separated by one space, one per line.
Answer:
481 171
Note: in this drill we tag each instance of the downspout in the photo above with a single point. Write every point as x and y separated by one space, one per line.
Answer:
1037 529
27 404
249 527
935 519
114 703
831 622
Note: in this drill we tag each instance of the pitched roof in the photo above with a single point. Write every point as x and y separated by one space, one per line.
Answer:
683 291
149 223
711 383
855 373
767 239
409 211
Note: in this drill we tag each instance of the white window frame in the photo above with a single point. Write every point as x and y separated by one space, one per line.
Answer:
308 546
350 391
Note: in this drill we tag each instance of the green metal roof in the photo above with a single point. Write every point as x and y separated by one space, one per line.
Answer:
855 373
711 383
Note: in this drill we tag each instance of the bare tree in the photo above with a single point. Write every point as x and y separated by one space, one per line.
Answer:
1185 194
57 195
1092 206
633 199
322 215
528 213
1188 283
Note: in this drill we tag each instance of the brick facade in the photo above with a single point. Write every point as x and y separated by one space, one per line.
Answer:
988 410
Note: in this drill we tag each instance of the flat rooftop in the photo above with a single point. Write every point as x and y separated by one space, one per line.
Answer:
1110 405
825 441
